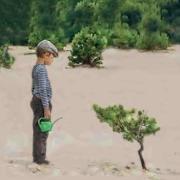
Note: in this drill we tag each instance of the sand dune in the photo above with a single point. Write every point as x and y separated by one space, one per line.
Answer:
80 146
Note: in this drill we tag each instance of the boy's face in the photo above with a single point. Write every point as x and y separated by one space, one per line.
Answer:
48 58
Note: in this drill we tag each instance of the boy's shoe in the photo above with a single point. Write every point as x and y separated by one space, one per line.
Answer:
45 162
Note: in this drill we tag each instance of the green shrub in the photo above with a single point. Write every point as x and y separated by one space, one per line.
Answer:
152 23
153 41
87 47
84 12
104 31
133 124
124 37
108 11
131 13
34 38
6 60
55 38
174 33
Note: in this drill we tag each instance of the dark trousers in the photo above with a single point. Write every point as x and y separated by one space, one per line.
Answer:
39 138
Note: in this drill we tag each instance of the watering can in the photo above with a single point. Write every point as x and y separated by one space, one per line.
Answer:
46 124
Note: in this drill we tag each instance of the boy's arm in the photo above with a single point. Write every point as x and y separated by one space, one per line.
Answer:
43 92
47 113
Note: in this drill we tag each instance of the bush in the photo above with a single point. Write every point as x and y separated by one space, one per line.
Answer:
153 41
34 39
6 60
131 13
87 47
104 31
123 37
84 12
174 34
133 124
55 38
152 23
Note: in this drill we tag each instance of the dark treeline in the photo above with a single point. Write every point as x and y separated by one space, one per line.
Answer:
145 24
14 21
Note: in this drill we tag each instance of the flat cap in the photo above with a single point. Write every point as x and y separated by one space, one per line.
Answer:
46 46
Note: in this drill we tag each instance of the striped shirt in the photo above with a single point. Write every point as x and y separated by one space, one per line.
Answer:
41 86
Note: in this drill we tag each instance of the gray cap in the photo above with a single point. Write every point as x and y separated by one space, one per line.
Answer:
46 46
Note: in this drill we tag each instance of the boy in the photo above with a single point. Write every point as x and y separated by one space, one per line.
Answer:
41 100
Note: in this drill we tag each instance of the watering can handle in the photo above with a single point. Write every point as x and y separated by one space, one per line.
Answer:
39 120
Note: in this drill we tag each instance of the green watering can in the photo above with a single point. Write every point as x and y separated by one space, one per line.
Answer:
46 124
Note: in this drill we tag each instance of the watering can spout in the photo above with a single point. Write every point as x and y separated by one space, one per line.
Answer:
57 120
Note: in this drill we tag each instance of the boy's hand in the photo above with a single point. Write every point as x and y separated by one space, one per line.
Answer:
47 113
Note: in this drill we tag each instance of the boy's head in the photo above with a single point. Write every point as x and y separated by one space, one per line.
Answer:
47 51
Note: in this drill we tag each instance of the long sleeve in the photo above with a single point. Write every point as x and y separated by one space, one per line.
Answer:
42 85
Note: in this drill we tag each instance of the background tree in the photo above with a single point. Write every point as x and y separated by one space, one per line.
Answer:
152 28
14 21
144 24
43 22
171 15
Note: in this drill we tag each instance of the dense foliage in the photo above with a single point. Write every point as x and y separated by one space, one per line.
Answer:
15 18
144 24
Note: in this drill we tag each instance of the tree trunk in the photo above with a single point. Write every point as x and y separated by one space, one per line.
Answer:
141 156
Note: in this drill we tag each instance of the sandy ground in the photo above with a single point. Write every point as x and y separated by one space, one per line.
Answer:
80 146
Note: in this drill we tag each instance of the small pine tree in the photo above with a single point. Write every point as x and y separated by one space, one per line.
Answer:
6 60
133 124
87 48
